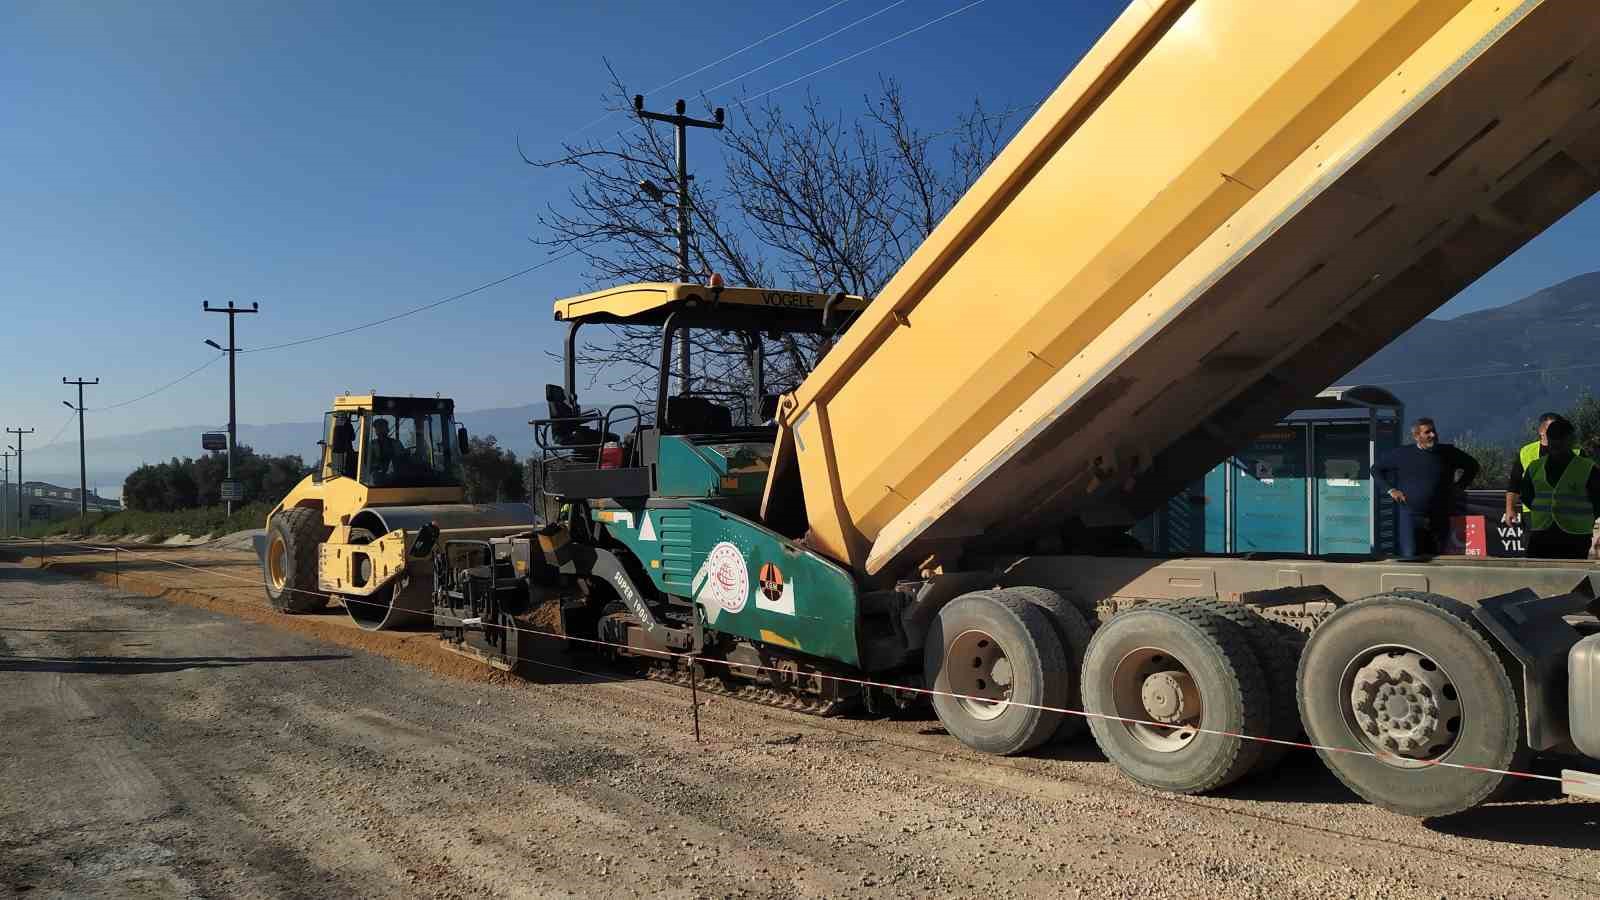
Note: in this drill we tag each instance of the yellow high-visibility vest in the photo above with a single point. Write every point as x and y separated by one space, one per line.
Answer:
1529 453
1565 504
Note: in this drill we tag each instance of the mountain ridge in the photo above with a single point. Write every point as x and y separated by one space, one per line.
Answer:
1484 374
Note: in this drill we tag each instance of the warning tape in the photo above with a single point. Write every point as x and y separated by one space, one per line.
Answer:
865 682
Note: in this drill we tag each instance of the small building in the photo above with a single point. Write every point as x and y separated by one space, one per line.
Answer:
43 501
1305 486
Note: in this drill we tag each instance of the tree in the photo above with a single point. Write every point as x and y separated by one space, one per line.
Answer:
492 474
1494 461
806 201
188 483
1585 417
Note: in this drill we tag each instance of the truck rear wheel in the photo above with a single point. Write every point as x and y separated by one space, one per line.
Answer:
1280 660
1173 675
289 567
1074 634
1408 680
1000 653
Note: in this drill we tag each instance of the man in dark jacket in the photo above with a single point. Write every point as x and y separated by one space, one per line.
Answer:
1562 490
1422 479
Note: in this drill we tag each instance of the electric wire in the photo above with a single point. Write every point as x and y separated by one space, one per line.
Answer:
171 384
416 309
711 65
803 47
529 269
745 101
52 442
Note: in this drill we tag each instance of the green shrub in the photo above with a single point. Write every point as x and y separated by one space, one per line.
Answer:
212 520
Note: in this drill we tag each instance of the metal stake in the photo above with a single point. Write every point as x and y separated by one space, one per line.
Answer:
694 694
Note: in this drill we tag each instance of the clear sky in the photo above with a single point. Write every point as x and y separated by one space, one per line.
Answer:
340 161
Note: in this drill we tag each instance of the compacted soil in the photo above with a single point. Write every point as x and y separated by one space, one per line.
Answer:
197 743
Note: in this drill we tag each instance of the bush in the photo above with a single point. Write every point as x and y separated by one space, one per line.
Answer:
212 520
191 483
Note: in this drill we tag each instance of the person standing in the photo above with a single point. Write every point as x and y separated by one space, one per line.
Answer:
1515 507
1562 491
1422 480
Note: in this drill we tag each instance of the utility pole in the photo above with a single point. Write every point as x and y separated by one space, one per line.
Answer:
682 124
83 468
21 503
5 491
231 312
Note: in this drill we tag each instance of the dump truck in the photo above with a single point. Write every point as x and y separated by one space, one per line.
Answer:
387 466
1224 207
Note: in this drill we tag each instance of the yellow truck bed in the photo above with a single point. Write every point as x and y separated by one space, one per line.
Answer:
1223 208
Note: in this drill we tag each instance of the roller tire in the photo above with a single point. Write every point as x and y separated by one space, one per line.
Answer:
1074 633
301 531
1441 629
1280 665
1038 663
1217 655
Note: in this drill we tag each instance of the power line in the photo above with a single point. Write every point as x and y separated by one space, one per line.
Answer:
416 309
173 383
711 65
52 441
744 101
804 47
400 315
801 48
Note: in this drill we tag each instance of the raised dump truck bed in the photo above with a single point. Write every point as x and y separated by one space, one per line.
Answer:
1226 206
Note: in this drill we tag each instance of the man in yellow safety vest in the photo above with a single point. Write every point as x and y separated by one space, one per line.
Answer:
1562 491
1532 450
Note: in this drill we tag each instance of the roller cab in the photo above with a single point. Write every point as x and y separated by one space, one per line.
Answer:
387 466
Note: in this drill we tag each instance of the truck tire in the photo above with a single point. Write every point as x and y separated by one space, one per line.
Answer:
1074 634
993 644
1280 663
289 567
1407 680
1175 664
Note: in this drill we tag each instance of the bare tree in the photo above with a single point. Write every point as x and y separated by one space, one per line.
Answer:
806 200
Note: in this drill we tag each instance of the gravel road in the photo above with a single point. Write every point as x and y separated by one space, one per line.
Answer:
154 749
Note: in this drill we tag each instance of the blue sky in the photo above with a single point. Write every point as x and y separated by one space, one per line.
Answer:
338 162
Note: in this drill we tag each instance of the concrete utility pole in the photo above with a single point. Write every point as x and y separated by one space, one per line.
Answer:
682 124
83 468
21 503
233 423
5 491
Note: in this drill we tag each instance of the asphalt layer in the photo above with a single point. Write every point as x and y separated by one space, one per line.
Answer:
151 748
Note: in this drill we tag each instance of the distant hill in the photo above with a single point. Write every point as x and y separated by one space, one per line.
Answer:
110 459
1488 372
1471 373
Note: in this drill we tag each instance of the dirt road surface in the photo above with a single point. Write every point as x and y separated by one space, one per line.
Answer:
157 748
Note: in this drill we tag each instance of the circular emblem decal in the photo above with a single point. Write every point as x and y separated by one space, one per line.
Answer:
726 579
771 582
